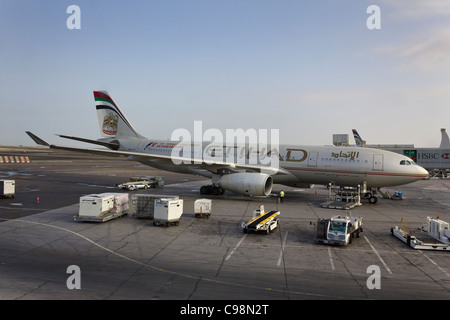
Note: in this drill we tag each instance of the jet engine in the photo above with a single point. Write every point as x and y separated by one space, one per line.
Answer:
255 184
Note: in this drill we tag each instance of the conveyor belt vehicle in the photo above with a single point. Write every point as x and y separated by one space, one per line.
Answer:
262 221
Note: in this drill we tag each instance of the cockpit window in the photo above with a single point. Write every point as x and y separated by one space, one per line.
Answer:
406 163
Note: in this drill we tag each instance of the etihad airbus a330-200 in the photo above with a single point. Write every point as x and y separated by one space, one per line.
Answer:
297 165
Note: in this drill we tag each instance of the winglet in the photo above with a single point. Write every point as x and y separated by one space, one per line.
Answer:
37 139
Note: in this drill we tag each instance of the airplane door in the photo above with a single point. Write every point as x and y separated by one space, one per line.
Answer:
312 160
377 162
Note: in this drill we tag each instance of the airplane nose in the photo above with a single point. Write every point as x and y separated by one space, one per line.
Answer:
423 173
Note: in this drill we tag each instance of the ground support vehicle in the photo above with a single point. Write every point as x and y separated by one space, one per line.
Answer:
434 235
263 222
338 230
397 196
342 198
137 183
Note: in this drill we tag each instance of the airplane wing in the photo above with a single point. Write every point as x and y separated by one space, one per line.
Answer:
111 145
212 166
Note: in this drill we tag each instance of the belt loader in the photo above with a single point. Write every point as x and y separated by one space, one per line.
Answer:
262 221
338 230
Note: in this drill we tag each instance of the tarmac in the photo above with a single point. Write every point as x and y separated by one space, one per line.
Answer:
204 259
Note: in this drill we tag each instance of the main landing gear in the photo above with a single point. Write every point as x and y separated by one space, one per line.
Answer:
211 189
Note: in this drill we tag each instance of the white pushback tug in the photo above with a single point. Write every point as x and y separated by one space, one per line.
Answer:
338 230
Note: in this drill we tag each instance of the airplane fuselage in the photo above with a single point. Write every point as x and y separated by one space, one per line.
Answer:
301 165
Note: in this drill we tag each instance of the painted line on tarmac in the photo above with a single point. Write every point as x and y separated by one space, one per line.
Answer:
331 259
439 267
378 255
237 246
282 249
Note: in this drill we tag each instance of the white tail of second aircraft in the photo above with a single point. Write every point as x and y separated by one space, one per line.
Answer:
112 122
359 142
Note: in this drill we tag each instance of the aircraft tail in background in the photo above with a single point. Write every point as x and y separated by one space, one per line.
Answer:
112 122
359 142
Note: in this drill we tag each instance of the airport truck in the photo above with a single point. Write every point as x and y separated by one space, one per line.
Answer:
338 230
434 235
263 222
7 189
137 183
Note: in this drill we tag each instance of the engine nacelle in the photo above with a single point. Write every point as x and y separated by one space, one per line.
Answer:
255 184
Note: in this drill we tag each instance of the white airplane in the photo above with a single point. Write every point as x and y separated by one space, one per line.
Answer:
299 166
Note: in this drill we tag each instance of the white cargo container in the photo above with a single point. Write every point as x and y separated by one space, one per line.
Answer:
7 188
95 205
202 208
121 202
168 211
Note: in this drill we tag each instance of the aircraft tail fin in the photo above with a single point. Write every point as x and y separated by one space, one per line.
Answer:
359 142
112 122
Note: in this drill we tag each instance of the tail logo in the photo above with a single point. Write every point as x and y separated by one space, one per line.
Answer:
110 124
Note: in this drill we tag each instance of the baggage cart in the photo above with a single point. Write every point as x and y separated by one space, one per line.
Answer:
203 208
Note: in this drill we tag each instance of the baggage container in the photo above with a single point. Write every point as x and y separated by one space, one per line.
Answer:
7 188
94 205
202 208
121 202
168 211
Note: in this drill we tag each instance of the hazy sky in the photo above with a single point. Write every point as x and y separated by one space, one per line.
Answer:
308 68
